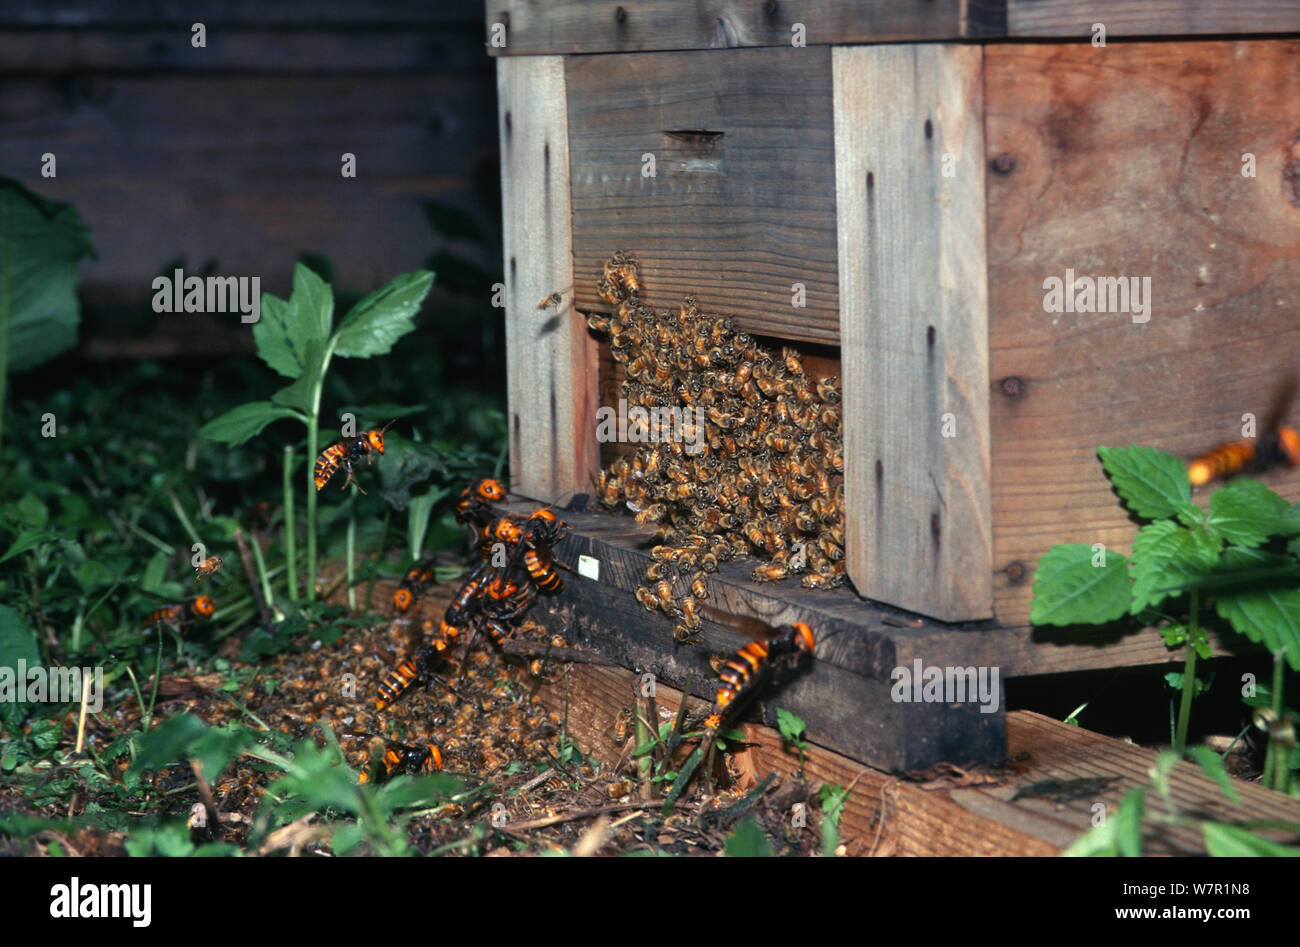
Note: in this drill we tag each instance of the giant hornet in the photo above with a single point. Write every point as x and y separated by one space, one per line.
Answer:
347 453
1276 444
399 758
742 673
194 608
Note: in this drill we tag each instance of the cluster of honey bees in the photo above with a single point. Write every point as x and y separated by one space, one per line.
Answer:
764 478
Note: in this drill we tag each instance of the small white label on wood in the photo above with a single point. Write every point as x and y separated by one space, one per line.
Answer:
589 567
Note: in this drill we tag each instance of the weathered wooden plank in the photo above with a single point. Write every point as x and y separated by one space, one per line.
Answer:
1075 18
741 206
605 26
550 365
845 694
313 50
914 326
1129 164
119 13
246 171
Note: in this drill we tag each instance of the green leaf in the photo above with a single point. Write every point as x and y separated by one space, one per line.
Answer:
748 841
791 726
417 525
1128 823
1246 513
247 421
286 328
28 539
29 511
406 464
1230 841
1212 764
383 317
302 393
152 579
17 642
169 742
1269 615
1164 555
40 244
1069 589
1190 515
1151 483
93 574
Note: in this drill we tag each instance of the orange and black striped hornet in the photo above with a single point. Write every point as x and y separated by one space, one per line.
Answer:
194 608
208 566
742 673
347 453
399 758
1276 444
413 584
475 503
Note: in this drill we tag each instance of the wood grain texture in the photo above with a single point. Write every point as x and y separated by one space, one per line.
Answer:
844 694
606 26
551 378
1127 162
455 49
914 326
737 215
245 171
1066 18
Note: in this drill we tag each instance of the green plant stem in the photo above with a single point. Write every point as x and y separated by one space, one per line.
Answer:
374 566
190 531
260 562
1276 754
311 508
1189 673
350 565
289 558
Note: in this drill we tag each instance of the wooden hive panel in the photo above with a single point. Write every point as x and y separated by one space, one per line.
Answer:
742 203
1118 163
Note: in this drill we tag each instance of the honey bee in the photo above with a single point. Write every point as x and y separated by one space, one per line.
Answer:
774 572
619 789
700 586
208 566
683 634
689 613
552 301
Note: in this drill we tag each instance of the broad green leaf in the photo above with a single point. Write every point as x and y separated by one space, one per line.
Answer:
1213 766
302 393
1190 515
247 421
17 642
1229 841
1166 555
748 841
29 511
406 464
93 574
151 580
1151 483
1069 589
40 244
1245 513
791 726
217 747
383 317
1269 615
287 327
1097 842
172 741
28 539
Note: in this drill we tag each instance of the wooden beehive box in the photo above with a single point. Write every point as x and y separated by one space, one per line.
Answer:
892 197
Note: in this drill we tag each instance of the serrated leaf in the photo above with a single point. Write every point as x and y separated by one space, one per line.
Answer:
1212 764
17 643
1268 615
1167 555
383 317
1246 513
245 422
302 393
287 327
791 726
1230 841
41 242
1190 515
1069 589
1152 483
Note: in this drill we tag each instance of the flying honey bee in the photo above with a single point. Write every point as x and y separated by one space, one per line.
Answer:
208 566
551 302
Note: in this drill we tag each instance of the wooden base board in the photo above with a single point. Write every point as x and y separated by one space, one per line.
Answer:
967 812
